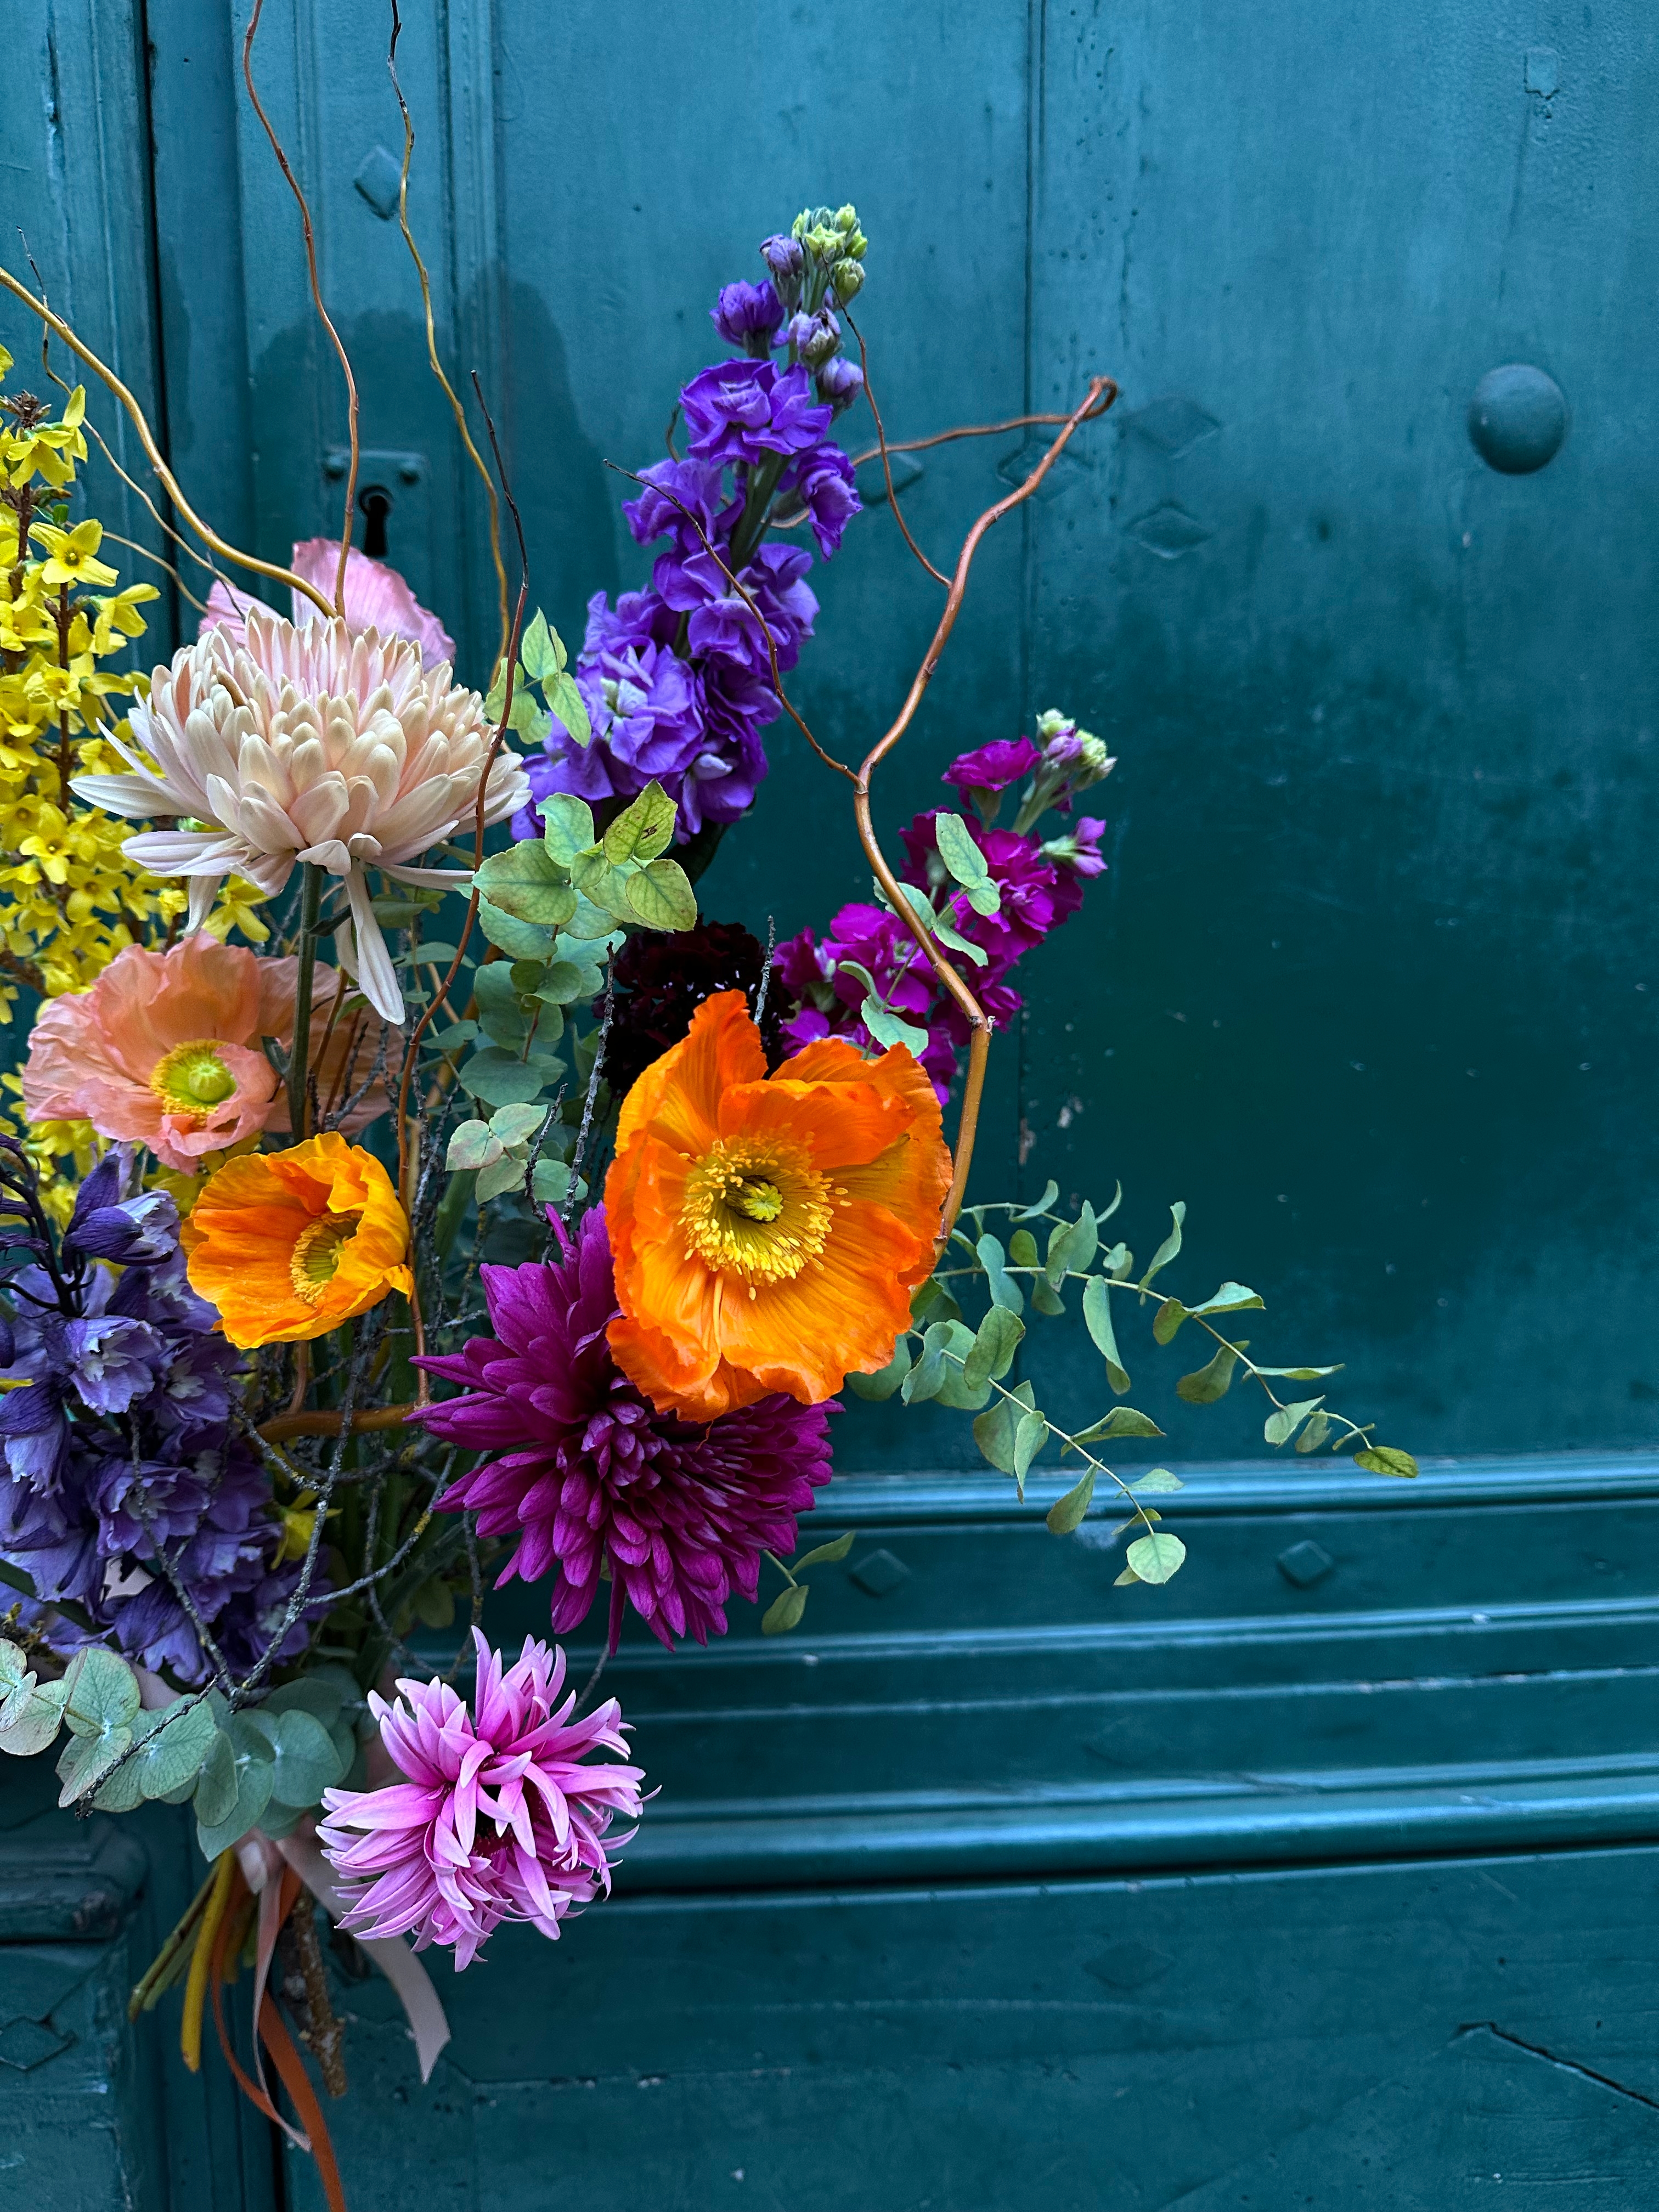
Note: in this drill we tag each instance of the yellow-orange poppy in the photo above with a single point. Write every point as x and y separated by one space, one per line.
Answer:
767 1231
288 1245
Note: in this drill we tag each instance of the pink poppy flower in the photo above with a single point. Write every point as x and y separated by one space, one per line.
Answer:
376 597
164 1050
499 1818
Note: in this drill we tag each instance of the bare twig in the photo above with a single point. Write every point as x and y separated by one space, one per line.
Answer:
885 450
316 299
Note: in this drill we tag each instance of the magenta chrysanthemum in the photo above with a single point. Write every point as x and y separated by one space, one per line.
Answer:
497 1819
588 1470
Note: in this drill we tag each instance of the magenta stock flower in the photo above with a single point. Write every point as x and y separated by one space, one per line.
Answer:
583 1468
994 767
498 1818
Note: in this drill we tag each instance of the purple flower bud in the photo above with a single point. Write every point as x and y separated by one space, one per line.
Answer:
840 382
784 257
142 1230
746 315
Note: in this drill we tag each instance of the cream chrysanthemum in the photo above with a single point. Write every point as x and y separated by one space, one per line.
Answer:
307 744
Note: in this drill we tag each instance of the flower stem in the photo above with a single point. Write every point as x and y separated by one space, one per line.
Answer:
311 902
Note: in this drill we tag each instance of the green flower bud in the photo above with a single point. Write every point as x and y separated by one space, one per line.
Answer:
848 279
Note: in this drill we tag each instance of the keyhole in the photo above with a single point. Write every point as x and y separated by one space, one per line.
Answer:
375 501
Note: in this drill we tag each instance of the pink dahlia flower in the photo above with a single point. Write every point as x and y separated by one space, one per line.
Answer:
307 744
498 1818
164 1050
583 1469
376 597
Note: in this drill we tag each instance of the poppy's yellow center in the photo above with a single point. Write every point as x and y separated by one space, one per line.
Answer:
316 1255
757 1209
192 1079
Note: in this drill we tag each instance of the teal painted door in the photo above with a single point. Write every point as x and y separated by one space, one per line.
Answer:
1011 1887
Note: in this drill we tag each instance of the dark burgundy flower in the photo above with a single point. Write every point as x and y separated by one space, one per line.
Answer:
661 980
586 1473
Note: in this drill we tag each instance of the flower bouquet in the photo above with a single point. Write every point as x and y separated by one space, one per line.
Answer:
395 1207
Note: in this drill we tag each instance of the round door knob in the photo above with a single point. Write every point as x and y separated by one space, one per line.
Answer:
1518 419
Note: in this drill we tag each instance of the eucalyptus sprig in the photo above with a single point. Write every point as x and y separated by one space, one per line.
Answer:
941 1356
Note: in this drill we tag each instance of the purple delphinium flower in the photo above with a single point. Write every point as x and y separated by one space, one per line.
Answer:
743 410
583 1470
120 1460
500 1816
748 315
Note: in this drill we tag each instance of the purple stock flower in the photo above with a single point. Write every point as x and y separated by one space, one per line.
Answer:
823 481
748 315
993 766
582 1469
699 486
786 259
742 410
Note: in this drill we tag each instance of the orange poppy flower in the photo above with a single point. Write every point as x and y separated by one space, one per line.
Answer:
288 1245
767 1231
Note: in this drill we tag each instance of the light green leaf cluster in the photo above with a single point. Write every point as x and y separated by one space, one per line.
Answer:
267 1765
543 661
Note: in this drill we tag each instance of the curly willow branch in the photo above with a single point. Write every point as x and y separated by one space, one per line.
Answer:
1099 397
456 408
338 607
169 482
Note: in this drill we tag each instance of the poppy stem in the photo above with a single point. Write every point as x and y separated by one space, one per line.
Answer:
311 903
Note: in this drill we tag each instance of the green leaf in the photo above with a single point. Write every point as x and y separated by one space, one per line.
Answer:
87 1758
527 717
501 1079
549 1183
991 1354
471 1144
566 827
860 973
994 1431
434 1603
526 882
564 982
566 704
954 1389
1208 1384
516 1125
253 1794
102 1692
1121 1581
884 1381
1072 1246
1119 1263
1300 1374
325 1692
1283 1423
1166 1251
947 933
1029 1439
1167 1321
30 1711
1158 1477
1065 1513
1005 1290
1157 1558
985 898
1046 1299
1231 1297
1384 1459
1098 1313
505 1174
602 884
1022 1249
824 1553
502 1013
1318 1428
1050 1193
217 1784
660 896
785 1611
927 1377
888 1028
541 649
931 1301
643 828
1121 1421
306 1763
520 941
172 1745
956 849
